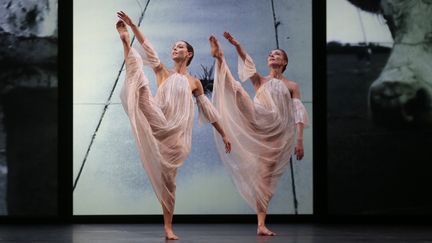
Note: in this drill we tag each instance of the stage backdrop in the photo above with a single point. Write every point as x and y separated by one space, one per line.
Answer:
28 108
379 111
108 175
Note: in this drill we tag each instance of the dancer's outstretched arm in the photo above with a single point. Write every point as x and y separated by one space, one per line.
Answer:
159 69
138 34
255 78
240 50
209 113
224 80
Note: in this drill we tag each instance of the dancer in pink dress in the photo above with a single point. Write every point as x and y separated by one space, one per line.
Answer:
265 131
162 125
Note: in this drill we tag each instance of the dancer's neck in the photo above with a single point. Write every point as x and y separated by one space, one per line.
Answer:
181 68
276 73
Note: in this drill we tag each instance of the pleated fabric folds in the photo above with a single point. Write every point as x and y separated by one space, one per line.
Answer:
161 125
261 131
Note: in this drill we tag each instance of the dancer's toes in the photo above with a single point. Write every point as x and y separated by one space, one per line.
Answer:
169 235
216 51
121 26
262 230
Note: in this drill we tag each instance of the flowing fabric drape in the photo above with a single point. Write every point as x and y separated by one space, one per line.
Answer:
161 125
261 130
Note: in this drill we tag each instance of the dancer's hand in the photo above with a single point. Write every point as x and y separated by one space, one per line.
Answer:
216 51
123 16
299 151
227 144
231 39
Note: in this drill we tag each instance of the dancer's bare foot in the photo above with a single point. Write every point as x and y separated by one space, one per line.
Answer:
169 235
262 230
216 51
121 28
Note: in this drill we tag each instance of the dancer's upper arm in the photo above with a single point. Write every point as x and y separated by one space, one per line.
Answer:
206 110
295 90
300 112
199 90
247 70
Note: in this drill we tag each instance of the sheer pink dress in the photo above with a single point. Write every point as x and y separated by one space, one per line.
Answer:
262 131
161 125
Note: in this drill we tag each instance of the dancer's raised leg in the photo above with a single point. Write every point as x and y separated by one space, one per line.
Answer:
124 36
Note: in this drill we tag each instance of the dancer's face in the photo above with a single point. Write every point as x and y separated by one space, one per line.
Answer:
179 51
276 58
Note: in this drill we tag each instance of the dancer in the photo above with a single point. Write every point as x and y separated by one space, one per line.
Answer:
162 125
264 128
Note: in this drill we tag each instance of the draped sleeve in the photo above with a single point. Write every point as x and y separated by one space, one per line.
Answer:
147 53
246 68
300 113
207 112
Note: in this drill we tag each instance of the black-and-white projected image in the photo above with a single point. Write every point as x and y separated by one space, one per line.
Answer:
28 108
379 97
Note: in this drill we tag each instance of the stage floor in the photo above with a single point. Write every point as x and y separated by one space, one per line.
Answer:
206 233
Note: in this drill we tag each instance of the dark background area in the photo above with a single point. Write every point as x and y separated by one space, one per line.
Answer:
374 170
29 107
30 122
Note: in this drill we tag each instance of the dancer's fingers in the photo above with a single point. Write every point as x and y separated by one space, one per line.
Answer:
228 147
299 154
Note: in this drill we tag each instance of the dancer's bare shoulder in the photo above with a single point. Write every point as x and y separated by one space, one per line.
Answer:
293 87
195 85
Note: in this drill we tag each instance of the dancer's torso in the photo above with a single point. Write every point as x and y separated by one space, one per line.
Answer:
174 98
273 90
174 95
273 108
186 77
288 84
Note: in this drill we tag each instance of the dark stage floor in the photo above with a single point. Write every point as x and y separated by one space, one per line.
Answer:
205 233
